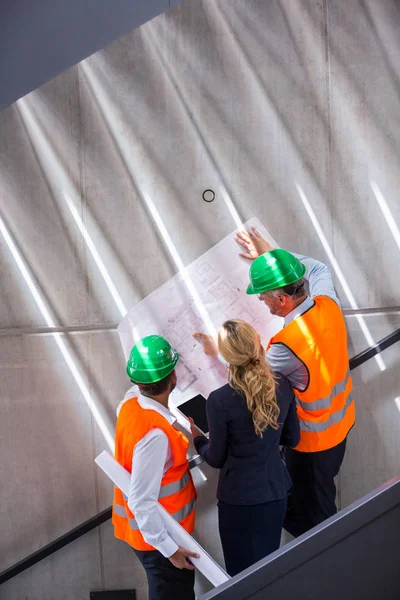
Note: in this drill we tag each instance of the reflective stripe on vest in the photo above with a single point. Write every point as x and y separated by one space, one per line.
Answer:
325 407
326 402
176 491
179 516
175 487
318 426
171 488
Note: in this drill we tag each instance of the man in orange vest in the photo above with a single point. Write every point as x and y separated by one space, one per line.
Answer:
149 446
311 351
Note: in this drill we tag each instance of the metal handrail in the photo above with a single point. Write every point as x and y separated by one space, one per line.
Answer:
105 515
372 351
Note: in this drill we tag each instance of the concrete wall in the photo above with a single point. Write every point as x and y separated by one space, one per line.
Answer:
289 110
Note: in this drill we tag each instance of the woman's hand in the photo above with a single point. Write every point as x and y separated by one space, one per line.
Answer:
209 344
195 431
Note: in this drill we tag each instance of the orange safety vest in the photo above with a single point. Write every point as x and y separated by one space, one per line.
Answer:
326 407
177 492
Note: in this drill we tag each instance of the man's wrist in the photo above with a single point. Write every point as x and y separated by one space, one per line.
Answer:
168 547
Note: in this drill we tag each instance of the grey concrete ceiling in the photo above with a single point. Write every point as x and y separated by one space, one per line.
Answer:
39 40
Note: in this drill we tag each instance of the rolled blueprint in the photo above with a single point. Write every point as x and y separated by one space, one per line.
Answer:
207 565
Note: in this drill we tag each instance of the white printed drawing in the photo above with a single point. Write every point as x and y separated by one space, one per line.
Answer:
220 279
224 293
185 376
206 274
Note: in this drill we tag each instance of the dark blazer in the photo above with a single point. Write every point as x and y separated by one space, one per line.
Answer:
252 470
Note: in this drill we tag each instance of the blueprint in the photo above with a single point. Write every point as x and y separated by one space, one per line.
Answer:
209 291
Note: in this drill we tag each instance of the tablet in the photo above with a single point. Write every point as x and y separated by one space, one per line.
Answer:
196 408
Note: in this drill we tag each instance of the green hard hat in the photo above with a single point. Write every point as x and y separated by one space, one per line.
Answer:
273 270
152 358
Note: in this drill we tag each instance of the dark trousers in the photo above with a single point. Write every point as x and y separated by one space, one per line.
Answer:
249 533
312 498
166 582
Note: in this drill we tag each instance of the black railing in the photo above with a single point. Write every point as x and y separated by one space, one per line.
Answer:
104 516
365 355
59 543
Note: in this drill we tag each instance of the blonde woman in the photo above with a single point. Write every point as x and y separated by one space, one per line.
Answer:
249 418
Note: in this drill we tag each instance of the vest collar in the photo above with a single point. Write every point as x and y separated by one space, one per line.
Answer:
147 403
299 310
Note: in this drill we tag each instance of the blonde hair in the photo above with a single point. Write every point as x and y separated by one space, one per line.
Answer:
250 375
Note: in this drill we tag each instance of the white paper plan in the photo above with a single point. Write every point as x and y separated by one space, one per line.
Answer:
205 563
209 291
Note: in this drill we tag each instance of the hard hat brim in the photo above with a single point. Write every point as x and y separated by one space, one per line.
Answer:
146 376
251 290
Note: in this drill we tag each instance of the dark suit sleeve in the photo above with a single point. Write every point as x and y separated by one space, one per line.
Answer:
290 435
214 450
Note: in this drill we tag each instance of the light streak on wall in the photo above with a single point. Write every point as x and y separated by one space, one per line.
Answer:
96 256
58 337
193 121
232 209
110 116
387 213
63 186
339 273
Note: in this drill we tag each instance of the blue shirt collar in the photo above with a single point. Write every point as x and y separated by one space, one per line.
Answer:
299 310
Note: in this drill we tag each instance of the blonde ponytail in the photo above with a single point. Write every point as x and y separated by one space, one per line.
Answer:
250 375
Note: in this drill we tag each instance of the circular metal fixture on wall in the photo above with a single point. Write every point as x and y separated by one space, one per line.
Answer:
208 195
